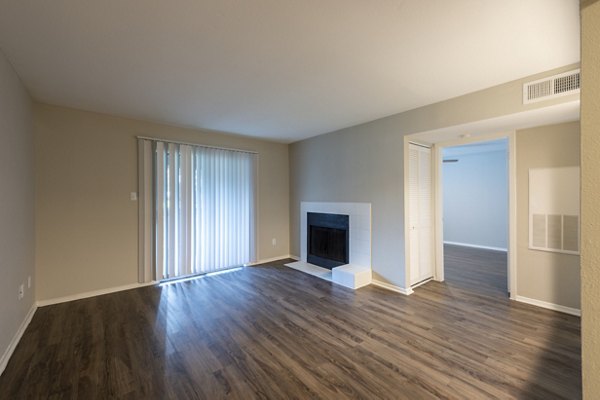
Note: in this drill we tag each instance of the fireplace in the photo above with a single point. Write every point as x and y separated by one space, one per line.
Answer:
327 239
331 247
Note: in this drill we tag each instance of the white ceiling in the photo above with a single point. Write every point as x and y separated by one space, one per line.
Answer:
277 69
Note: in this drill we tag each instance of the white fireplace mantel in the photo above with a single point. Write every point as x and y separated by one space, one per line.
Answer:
357 272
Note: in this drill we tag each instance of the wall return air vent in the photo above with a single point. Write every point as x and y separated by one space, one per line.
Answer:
552 87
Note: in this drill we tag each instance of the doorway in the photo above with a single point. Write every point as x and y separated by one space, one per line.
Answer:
475 207
437 143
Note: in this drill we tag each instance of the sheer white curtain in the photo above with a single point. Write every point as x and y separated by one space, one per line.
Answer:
201 215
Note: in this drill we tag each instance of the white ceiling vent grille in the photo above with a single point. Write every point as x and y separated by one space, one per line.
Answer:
551 87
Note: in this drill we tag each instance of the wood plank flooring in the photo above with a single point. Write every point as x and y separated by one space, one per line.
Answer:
271 332
476 270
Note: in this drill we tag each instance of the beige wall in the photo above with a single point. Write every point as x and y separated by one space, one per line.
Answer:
542 275
16 204
590 197
86 225
364 163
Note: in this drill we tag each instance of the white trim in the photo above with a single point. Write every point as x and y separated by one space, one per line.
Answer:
405 179
438 207
476 246
188 278
16 338
194 144
391 287
512 204
268 260
348 275
549 306
425 146
297 258
93 293
311 269
421 283
512 214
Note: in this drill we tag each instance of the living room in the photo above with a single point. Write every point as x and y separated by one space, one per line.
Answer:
324 100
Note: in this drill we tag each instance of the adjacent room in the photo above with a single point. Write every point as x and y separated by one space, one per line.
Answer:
275 199
475 214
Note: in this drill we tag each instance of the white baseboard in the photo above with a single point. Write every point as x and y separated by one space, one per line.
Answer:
294 257
391 287
17 338
549 306
93 293
476 246
268 260
424 281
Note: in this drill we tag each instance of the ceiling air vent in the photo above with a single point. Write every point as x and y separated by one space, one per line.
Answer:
551 87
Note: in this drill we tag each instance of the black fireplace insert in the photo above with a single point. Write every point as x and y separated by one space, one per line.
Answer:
328 239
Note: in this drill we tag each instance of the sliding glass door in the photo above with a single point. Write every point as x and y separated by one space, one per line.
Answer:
203 208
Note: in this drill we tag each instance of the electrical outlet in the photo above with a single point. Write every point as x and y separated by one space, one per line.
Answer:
29 282
21 291
274 242
133 196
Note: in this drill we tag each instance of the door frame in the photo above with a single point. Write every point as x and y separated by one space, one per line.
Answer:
438 209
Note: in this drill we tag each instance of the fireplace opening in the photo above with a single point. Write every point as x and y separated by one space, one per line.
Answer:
328 239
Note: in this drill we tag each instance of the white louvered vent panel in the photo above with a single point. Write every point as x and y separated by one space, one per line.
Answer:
567 83
554 209
539 231
552 87
555 233
541 89
571 232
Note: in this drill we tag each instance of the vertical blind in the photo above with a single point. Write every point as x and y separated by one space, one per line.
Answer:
197 209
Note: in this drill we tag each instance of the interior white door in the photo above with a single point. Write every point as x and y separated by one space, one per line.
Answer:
420 214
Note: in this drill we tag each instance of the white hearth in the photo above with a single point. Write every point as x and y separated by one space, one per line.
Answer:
355 274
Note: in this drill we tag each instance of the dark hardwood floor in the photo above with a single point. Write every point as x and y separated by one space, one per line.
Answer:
272 332
476 270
